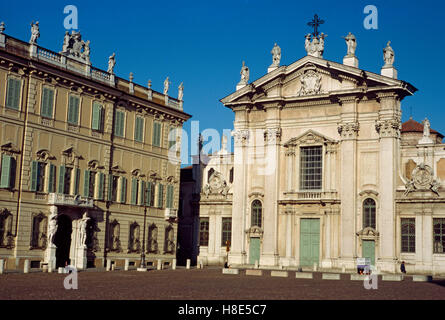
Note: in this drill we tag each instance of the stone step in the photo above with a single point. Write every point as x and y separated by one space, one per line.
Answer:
421 278
230 271
303 275
275 273
251 272
330 276
392 277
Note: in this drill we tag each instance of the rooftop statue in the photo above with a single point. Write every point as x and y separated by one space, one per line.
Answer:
244 74
388 55
276 55
75 47
111 63
35 33
351 42
166 85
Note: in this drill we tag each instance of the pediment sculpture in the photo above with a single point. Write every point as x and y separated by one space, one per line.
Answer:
422 179
310 82
368 232
217 185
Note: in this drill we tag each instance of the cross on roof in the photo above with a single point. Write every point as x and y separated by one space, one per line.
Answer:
315 23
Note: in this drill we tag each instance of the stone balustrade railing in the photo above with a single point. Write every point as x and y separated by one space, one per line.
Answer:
170 213
312 195
70 200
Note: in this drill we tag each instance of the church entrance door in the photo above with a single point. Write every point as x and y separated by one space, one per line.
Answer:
254 250
309 242
62 240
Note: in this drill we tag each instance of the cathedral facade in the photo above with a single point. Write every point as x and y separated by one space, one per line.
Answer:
324 171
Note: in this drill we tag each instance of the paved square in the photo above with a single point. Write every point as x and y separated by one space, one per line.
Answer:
207 284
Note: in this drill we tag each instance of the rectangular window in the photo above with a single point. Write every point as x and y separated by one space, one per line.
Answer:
92 186
226 231
13 93
115 180
119 123
123 190
51 178
73 110
204 232
46 109
439 235
157 128
139 129
7 177
38 176
408 231
97 117
311 168
67 180
171 138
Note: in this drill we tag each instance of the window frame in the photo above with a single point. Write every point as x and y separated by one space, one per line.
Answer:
79 111
101 116
409 235
204 231
256 216
124 115
304 182
226 234
47 116
141 128
366 214
19 102
441 235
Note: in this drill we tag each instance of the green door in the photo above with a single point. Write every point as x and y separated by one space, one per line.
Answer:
309 242
368 250
254 250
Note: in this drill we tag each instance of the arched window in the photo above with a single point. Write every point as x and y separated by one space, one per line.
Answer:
257 212
369 213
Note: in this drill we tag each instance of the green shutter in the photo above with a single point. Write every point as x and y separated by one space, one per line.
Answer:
160 195
61 185
13 94
100 188
76 181
170 190
5 179
34 174
156 134
142 193
110 187
138 129
86 183
96 121
134 186
148 194
47 103
73 110
51 178
119 123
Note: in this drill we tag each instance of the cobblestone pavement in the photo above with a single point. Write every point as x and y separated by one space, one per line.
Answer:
207 284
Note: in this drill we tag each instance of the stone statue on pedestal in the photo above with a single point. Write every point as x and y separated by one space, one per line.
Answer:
181 91
166 86
426 128
276 55
83 229
388 55
244 74
316 47
52 229
35 33
351 42
75 48
111 63
66 41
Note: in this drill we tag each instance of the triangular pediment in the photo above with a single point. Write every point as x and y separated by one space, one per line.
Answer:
314 78
309 137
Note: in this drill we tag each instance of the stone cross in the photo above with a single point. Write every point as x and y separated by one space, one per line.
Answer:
315 23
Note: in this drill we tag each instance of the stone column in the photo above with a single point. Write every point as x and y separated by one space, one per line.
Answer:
348 130
419 241
269 254
238 250
427 240
2 266
388 126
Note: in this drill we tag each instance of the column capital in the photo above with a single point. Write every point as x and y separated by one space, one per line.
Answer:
348 130
389 128
241 136
272 135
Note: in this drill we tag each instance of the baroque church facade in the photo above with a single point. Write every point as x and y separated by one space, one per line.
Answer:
324 172
89 161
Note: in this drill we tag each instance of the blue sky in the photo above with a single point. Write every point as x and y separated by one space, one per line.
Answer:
203 43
